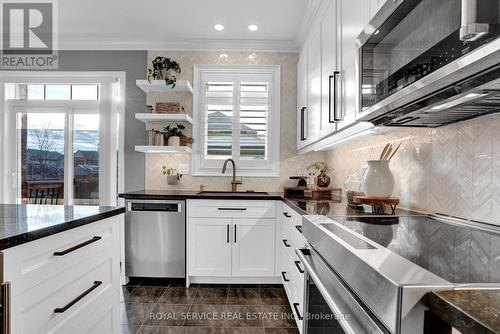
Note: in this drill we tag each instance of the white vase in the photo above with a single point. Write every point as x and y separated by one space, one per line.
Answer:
378 180
174 141
172 180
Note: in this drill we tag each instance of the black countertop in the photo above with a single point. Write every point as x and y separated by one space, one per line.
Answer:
329 208
20 224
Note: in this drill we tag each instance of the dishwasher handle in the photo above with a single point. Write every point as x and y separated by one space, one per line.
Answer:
154 207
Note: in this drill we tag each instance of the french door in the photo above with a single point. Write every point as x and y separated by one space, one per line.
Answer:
57 154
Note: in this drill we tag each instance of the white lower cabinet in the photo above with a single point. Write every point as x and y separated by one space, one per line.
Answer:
231 241
253 247
73 292
209 248
292 270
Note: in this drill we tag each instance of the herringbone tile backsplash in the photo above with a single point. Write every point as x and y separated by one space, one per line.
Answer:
453 170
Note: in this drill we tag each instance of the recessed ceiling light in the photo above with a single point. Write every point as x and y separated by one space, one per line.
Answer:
219 27
253 27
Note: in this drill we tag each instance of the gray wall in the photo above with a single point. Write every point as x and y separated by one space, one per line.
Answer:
134 64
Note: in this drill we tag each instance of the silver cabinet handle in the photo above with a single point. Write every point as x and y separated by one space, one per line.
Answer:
337 116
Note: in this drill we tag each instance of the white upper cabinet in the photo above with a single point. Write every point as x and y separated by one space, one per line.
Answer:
327 73
354 15
302 101
329 65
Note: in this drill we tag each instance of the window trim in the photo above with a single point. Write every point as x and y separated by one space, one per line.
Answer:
200 165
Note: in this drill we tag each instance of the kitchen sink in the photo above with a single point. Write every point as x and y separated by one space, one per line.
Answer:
231 193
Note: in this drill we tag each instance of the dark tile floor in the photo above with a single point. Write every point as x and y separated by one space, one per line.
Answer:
149 307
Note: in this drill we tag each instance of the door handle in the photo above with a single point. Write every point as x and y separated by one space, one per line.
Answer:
6 307
302 127
331 100
77 299
234 233
232 209
284 277
337 117
285 242
74 248
298 267
227 233
287 215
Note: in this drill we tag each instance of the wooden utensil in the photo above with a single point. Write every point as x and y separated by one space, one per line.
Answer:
384 151
388 153
393 153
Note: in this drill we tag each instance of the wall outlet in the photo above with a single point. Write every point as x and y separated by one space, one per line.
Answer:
183 169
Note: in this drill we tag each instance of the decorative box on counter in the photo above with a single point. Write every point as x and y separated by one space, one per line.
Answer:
169 107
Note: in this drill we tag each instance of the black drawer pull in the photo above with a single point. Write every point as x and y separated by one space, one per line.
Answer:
77 299
227 236
74 248
286 215
285 242
298 267
234 233
284 277
299 228
296 307
232 209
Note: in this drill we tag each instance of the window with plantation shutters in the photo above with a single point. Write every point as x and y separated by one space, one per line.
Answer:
236 112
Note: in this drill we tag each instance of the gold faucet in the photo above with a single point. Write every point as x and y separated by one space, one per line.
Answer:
234 182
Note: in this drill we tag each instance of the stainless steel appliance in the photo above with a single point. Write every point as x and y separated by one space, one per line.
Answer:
371 274
155 238
427 63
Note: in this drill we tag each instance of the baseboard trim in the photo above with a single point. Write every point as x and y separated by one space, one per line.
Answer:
232 280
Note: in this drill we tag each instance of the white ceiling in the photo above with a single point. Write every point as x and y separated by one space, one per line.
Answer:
179 25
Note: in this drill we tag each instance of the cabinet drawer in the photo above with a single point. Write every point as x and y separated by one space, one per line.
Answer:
31 264
78 294
231 208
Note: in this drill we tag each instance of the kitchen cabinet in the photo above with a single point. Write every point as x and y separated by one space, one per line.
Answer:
302 111
329 67
291 269
209 249
353 15
253 247
68 282
328 84
231 241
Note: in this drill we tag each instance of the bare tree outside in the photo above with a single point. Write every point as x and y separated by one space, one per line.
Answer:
45 143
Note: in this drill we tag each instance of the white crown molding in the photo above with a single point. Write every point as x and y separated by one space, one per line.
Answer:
308 19
220 45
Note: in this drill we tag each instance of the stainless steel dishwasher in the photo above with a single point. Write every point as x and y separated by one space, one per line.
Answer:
155 238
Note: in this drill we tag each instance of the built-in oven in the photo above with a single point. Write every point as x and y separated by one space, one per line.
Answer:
330 306
407 52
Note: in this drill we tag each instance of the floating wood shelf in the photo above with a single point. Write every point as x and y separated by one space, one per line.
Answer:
159 86
163 149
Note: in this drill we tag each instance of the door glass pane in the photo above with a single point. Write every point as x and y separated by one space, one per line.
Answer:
86 159
41 158
57 92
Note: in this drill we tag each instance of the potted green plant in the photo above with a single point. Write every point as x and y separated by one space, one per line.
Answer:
173 176
164 69
322 180
174 134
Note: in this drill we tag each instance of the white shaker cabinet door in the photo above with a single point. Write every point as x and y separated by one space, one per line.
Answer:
253 247
209 247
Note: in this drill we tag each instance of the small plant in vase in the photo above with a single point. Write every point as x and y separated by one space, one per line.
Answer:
173 176
322 180
174 134
164 69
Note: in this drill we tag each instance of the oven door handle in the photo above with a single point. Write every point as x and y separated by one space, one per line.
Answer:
345 322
